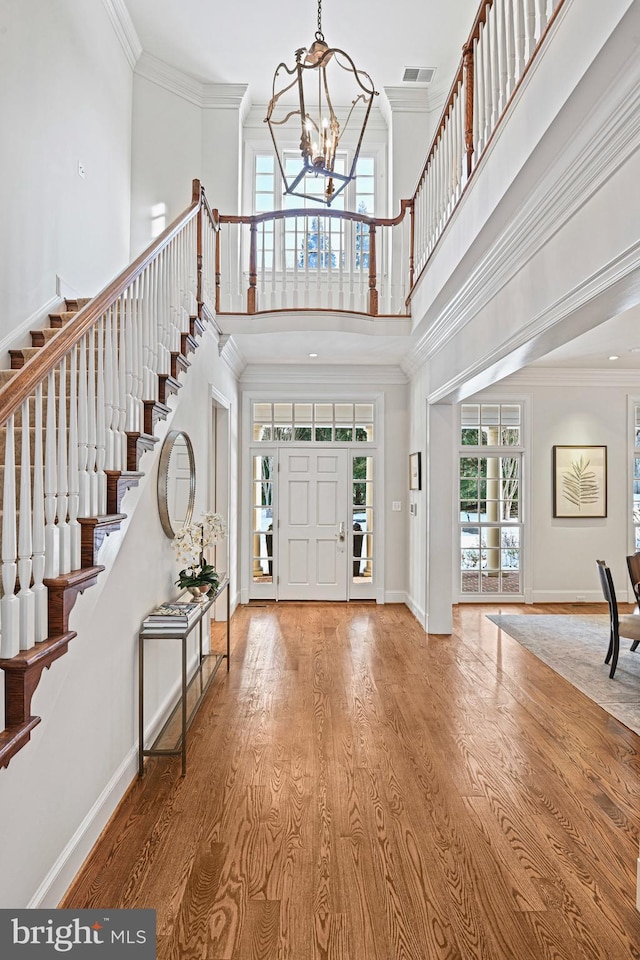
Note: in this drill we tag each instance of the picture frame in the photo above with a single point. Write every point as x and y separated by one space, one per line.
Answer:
415 471
579 481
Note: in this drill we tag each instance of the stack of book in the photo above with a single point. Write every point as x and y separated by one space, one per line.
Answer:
171 618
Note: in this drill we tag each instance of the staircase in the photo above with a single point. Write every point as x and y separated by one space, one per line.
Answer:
78 409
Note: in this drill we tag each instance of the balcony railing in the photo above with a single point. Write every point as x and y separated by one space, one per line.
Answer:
313 260
336 260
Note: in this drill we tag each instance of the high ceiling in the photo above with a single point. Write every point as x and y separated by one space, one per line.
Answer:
243 42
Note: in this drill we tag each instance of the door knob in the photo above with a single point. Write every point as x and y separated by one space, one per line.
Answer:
341 533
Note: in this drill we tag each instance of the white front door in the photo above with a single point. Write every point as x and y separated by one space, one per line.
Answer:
312 536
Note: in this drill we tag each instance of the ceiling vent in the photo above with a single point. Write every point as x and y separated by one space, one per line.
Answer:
418 74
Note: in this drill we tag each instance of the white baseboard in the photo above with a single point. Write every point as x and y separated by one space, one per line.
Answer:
395 596
638 884
61 875
417 612
568 596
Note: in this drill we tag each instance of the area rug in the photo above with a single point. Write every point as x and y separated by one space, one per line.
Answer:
575 648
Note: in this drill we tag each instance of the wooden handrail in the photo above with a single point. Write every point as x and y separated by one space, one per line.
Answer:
257 218
36 369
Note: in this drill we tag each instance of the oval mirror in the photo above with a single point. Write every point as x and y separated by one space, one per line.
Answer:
176 482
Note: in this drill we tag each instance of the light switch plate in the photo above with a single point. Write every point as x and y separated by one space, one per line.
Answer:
396 506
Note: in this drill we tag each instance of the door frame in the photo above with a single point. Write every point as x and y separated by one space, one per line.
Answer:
250 590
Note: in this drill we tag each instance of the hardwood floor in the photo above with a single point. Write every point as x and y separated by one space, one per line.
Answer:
357 790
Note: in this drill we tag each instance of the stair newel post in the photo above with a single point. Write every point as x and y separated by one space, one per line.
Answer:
84 485
253 267
9 604
101 423
468 107
373 293
74 480
51 538
38 548
63 475
25 595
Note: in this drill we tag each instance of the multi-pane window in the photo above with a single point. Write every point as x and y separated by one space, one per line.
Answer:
262 521
311 241
312 422
489 498
362 506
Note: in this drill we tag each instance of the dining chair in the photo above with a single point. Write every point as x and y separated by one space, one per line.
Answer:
625 625
633 566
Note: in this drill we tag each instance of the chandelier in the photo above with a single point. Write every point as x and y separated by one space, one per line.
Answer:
302 107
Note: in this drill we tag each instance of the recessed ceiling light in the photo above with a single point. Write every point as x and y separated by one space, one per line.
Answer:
313 354
614 357
634 350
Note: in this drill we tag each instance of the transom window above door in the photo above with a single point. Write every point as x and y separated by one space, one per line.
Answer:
312 422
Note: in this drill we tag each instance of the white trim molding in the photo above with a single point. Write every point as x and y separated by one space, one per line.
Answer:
124 30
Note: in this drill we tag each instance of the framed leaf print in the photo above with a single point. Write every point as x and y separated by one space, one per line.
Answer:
579 481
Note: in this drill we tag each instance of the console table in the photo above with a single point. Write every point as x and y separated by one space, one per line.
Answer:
172 739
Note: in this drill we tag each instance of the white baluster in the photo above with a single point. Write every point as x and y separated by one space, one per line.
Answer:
25 595
519 30
341 267
492 17
329 285
84 485
486 63
101 424
92 424
64 539
510 48
529 29
296 295
502 55
105 376
306 261
51 540
119 384
38 550
74 480
9 604
541 15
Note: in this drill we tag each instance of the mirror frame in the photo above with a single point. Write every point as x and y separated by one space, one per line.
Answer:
163 480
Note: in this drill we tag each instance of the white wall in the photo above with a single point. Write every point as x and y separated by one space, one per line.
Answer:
166 156
58 792
66 98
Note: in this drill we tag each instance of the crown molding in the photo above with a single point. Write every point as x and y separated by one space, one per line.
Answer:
610 138
208 96
226 96
539 376
170 78
124 30
415 98
229 352
371 375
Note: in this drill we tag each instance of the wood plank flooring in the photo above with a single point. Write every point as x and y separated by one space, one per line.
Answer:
358 790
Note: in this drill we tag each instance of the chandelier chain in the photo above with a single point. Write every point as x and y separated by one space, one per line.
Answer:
319 33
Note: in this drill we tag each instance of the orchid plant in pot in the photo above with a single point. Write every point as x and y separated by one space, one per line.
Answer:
190 542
